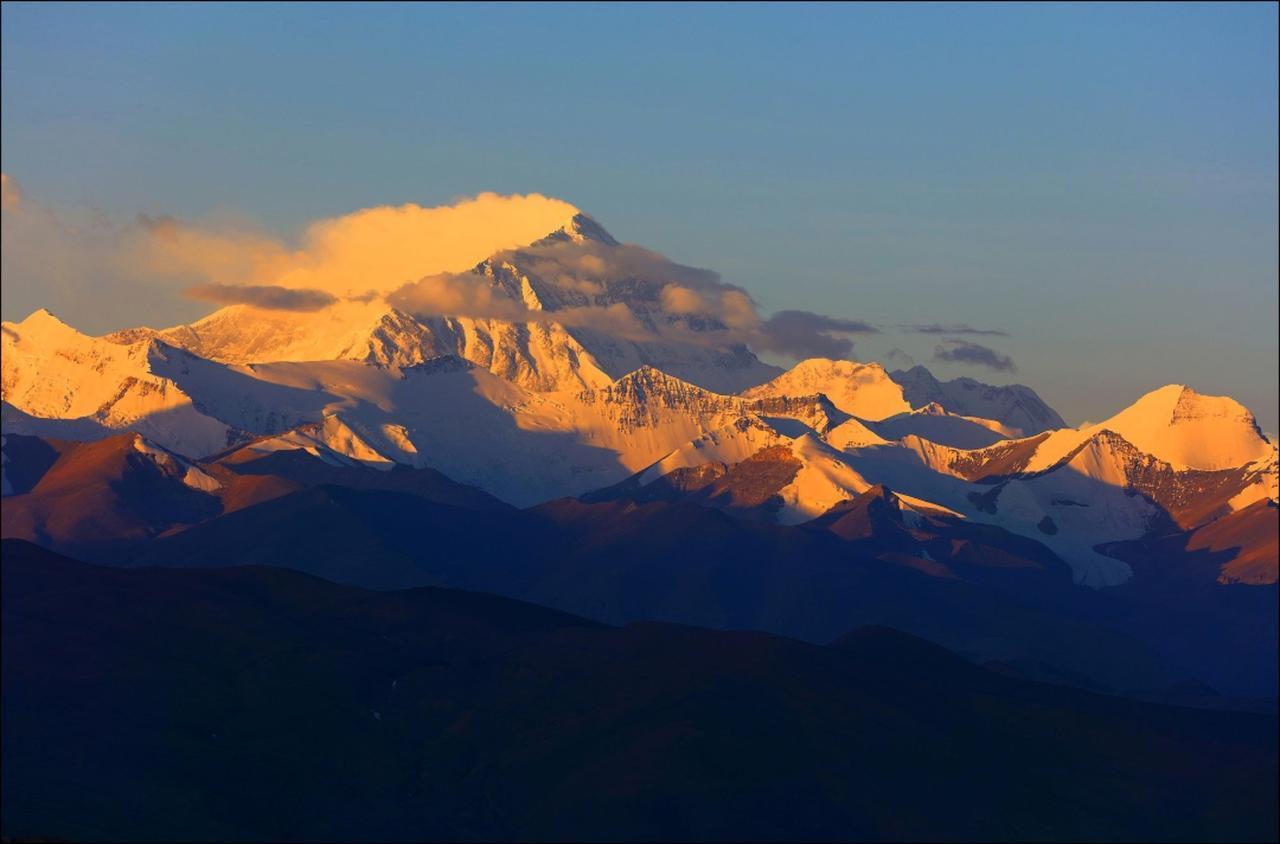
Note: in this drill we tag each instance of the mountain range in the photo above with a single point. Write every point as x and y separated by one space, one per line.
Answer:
540 407
590 514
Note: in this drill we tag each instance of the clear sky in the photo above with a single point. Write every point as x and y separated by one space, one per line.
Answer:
1100 182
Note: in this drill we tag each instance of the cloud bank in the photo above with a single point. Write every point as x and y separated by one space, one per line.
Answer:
378 249
105 272
582 285
962 351
803 334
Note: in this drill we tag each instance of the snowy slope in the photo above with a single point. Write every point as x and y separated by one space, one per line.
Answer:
1102 490
348 330
731 444
820 476
331 441
853 433
1191 431
1177 425
1193 438
479 429
824 480
446 413
1015 405
53 372
1084 502
1261 480
932 422
864 390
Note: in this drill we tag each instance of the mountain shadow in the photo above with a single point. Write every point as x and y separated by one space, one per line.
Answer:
263 704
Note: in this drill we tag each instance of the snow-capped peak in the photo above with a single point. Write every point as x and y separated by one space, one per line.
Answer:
578 229
1189 430
42 325
40 315
864 390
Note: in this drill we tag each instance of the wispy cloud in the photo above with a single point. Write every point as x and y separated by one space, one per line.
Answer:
954 328
803 334
266 297
962 351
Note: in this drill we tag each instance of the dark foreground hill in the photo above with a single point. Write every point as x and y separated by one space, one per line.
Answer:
253 703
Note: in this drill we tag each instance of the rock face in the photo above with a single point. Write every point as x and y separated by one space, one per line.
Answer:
640 399
1015 405
536 277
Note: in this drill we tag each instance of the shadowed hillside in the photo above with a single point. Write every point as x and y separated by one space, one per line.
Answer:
250 704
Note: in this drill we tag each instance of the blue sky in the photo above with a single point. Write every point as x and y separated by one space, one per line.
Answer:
1098 181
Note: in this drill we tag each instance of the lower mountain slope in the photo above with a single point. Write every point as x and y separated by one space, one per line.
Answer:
620 562
705 550
1211 595
101 499
256 704
1191 596
24 460
1240 548
107 493
879 523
